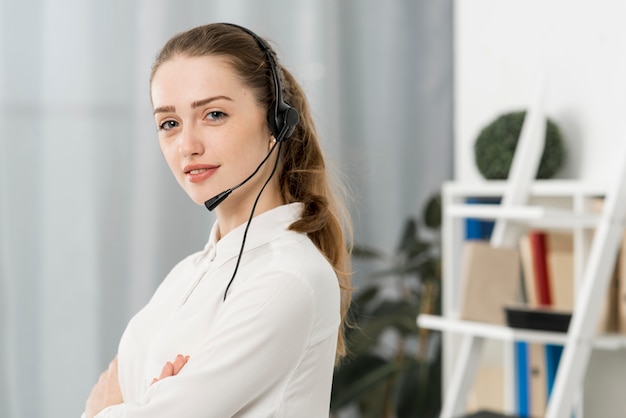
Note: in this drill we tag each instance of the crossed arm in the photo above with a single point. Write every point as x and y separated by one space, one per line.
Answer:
252 346
106 391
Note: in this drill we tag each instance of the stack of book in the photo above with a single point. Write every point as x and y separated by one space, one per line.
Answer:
541 297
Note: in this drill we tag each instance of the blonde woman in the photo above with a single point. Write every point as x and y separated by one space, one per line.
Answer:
250 326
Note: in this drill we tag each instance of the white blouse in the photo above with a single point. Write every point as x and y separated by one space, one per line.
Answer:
268 350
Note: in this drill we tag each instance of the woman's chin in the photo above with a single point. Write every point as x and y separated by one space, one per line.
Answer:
199 200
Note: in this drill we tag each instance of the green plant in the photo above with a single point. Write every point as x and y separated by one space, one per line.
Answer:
394 368
495 146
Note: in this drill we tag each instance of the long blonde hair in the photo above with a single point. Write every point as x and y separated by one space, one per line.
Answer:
302 172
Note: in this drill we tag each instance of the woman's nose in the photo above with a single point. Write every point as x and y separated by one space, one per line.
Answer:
190 142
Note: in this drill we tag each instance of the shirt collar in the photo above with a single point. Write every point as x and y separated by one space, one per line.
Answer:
263 229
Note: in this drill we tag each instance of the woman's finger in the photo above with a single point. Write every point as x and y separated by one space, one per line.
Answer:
168 370
172 368
179 363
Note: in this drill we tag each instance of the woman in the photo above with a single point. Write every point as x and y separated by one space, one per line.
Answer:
252 325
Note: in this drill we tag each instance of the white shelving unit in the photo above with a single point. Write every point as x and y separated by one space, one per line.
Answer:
553 204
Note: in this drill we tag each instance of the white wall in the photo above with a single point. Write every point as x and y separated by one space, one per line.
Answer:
501 47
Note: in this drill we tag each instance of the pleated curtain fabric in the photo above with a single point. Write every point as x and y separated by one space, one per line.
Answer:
91 218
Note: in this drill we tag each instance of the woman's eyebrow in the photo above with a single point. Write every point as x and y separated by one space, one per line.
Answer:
206 101
195 104
164 109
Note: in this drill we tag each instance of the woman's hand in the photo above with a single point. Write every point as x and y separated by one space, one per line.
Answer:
106 392
172 369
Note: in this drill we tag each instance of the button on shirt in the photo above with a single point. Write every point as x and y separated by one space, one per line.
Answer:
268 350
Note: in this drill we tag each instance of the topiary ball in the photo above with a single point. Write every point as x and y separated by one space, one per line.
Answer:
495 146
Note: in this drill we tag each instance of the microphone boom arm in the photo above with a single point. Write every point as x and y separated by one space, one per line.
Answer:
213 202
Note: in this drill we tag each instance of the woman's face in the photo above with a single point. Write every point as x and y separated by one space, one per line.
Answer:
211 129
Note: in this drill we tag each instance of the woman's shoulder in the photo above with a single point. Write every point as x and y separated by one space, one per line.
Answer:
301 262
296 252
295 258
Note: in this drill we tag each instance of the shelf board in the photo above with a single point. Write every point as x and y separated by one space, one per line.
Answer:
504 333
553 188
534 216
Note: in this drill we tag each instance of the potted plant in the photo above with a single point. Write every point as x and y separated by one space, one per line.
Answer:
393 368
496 143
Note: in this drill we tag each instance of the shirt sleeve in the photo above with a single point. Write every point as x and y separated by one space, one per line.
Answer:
259 337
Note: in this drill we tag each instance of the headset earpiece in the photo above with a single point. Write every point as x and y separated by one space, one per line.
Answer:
285 118
281 117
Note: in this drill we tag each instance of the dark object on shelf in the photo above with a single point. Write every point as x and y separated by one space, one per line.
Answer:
496 143
537 319
488 414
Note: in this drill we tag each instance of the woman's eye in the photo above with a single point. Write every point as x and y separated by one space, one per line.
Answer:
215 115
167 125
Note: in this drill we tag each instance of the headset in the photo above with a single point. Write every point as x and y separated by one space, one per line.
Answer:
281 116
282 119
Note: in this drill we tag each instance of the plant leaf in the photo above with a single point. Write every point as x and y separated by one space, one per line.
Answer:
409 235
432 212
406 396
418 391
365 295
355 378
398 315
368 253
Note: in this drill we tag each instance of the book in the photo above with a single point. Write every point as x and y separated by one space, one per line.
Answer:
529 281
620 287
522 379
479 229
489 282
553 356
609 321
488 389
538 389
560 269
540 268
560 275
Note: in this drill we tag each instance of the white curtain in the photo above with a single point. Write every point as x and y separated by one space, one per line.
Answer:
91 218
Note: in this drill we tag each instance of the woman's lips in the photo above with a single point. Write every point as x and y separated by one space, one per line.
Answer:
199 173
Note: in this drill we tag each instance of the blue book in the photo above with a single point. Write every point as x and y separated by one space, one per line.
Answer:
479 229
553 356
522 377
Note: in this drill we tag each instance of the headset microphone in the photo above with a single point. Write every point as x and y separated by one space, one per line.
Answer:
213 202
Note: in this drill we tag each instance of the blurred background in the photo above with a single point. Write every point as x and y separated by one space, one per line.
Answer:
91 219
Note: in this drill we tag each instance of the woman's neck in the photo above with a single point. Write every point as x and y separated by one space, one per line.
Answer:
231 214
